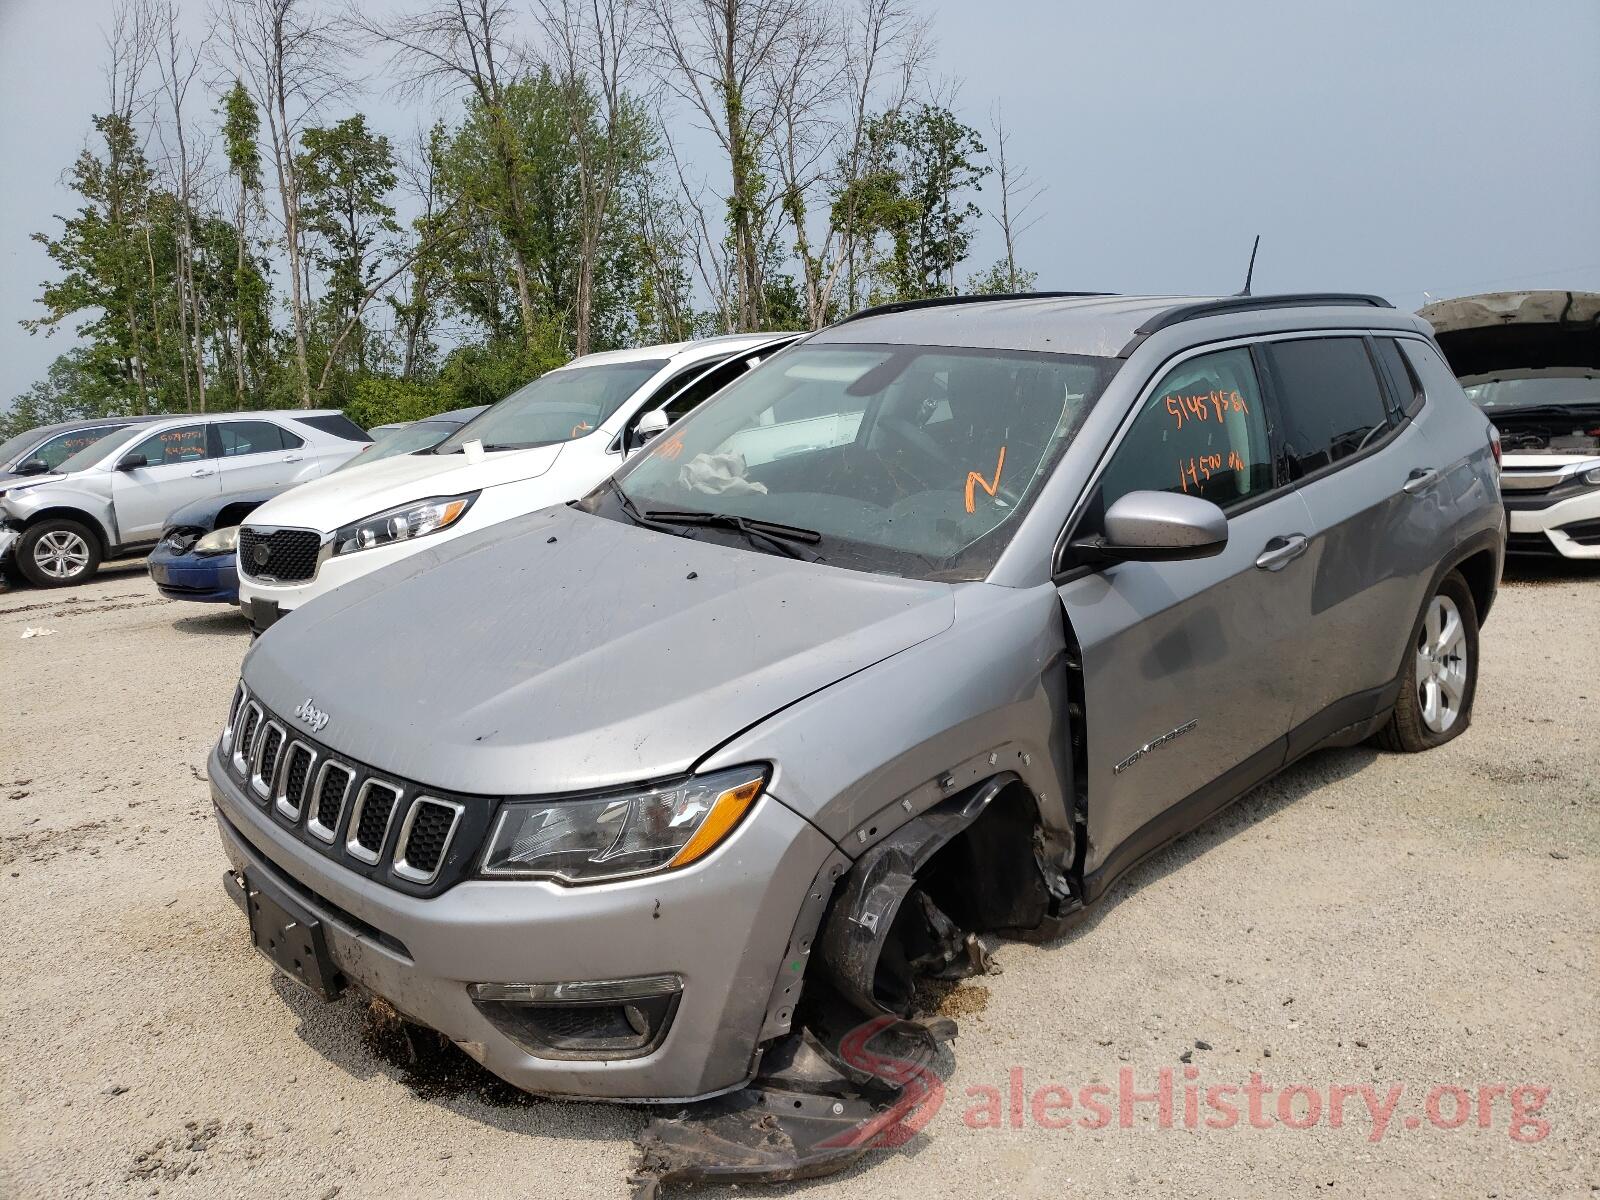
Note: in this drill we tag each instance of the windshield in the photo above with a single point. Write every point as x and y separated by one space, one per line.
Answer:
408 439
556 407
1558 389
90 454
11 449
906 459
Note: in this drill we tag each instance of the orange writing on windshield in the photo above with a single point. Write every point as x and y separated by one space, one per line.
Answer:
1199 468
671 447
973 477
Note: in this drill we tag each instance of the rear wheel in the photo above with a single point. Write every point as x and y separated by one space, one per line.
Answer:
1441 672
57 553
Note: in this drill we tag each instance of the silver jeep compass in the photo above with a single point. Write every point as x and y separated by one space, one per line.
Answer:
922 632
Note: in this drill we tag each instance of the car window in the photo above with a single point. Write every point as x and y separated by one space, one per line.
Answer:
711 382
1329 401
1402 378
337 424
556 407
64 445
407 439
1202 432
184 443
916 460
252 437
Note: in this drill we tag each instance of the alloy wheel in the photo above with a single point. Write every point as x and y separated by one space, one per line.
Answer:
61 554
1442 665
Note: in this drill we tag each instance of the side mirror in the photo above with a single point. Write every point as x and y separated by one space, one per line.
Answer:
1157 527
652 424
132 462
33 466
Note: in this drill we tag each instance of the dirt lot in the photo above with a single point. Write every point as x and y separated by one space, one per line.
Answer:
1366 919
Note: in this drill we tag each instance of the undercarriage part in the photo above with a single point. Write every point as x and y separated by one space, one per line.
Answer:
915 902
825 1096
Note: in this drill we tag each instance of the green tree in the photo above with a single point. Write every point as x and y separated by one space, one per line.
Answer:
102 251
346 173
241 126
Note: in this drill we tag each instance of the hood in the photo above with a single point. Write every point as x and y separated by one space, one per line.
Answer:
1504 331
344 496
561 652
16 484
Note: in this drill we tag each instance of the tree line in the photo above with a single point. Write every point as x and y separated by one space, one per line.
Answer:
600 174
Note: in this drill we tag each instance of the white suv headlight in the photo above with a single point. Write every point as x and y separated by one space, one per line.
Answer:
627 833
414 520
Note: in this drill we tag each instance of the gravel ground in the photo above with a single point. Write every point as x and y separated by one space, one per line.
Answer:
1366 918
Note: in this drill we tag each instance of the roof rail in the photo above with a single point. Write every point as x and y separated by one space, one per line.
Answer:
898 306
1232 304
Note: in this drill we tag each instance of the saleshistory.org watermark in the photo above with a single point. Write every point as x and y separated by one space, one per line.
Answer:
1173 1099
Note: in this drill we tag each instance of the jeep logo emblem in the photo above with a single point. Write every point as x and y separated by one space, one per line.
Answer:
311 715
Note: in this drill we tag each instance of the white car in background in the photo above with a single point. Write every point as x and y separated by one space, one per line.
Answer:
112 498
546 443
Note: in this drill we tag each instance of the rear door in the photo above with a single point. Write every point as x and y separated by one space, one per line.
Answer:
255 455
1190 668
1371 482
179 470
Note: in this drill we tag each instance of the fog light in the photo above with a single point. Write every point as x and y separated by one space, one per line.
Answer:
612 1018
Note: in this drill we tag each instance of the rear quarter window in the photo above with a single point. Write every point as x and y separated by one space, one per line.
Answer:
336 425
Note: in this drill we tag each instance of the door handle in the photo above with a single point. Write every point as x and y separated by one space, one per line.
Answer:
1279 552
200 472
293 458
1420 480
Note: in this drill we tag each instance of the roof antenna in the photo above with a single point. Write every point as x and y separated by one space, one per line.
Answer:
1251 270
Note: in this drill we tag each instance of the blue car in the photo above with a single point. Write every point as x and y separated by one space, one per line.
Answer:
194 560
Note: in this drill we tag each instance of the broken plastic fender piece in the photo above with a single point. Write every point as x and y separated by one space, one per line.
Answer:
810 1112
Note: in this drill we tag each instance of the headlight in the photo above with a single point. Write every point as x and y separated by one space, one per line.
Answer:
612 837
1592 476
219 541
414 520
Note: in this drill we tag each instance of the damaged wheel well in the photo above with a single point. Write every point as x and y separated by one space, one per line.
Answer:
916 903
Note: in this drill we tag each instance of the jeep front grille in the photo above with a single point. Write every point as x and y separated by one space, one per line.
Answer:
402 834
369 821
424 838
296 780
333 788
281 555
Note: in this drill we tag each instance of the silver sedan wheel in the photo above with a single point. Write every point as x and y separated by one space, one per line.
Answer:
1442 665
61 554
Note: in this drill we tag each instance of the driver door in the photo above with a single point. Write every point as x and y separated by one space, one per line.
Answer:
179 470
1190 667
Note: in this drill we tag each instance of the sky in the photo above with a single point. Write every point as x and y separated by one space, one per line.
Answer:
1419 149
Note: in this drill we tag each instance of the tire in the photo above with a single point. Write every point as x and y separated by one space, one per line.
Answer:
1440 674
57 553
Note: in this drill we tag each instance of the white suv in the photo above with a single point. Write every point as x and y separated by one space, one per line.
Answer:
546 443
113 497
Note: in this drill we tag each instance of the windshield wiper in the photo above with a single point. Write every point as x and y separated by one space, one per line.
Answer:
773 533
1584 408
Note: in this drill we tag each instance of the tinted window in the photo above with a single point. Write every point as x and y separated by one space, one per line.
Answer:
1329 400
253 437
408 439
337 424
1576 387
708 384
1203 432
1407 388
64 445
183 444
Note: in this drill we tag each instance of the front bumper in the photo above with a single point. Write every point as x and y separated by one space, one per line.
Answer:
1569 527
8 540
722 925
209 578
